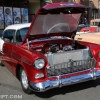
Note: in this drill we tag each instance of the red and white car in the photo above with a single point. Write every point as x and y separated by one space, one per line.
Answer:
48 56
82 29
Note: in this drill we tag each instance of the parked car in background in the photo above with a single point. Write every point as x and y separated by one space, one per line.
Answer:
82 28
95 22
90 37
93 35
42 63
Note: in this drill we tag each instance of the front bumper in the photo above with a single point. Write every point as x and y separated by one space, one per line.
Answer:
59 82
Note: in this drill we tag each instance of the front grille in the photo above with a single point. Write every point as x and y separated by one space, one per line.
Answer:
75 55
70 67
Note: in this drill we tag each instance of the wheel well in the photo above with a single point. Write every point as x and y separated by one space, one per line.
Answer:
18 71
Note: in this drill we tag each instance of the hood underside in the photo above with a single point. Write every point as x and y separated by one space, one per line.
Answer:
57 19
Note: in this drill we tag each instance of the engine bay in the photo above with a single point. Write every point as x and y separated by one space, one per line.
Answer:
56 47
63 54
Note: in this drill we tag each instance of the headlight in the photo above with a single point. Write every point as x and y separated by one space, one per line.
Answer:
39 63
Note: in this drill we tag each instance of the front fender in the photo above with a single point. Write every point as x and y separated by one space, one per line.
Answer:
95 49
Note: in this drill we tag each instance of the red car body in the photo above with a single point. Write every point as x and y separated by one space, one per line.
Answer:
90 29
43 61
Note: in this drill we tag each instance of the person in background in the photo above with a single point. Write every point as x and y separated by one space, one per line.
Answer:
99 27
85 21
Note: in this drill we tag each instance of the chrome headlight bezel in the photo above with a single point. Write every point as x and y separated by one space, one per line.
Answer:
39 63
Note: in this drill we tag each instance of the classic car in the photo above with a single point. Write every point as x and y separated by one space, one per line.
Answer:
82 28
44 59
90 37
87 29
95 21
93 33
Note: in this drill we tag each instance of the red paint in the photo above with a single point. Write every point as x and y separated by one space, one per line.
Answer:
15 54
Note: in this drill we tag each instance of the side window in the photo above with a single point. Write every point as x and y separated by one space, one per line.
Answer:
20 34
8 35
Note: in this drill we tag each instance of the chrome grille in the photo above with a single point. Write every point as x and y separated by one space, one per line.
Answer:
70 67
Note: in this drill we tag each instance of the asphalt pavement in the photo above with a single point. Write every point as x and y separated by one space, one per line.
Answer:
10 89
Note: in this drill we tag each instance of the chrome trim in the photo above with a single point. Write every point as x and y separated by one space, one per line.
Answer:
1 52
71 67
35 64
20 59
24 79
37 75
59 82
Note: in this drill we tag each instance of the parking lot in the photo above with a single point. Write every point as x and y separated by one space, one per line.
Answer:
10 89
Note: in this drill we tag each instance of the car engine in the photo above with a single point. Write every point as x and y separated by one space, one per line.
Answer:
65 59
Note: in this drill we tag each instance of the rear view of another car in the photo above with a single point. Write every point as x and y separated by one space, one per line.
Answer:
82 28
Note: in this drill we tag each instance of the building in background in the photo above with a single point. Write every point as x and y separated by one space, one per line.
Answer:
13 12
23 11
92 7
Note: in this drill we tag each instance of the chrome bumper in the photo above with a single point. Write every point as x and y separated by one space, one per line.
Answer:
49 84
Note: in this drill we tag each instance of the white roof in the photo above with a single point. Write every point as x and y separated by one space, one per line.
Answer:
18 26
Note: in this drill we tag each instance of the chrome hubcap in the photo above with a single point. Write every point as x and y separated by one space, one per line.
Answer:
24 79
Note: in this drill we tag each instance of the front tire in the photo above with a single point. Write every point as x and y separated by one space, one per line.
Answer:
1 64
24 82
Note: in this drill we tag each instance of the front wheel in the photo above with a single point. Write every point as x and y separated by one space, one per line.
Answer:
24 81
1 64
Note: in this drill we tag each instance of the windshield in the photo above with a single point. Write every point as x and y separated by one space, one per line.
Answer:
55 23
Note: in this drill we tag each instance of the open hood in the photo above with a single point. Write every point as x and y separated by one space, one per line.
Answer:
60 19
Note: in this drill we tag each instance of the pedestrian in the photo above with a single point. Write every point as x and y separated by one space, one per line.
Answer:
99 27
85 21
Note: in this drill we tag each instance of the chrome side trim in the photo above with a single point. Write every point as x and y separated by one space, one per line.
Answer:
49 84
1 52
18 58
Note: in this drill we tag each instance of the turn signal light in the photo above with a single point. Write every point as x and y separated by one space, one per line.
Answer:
39 75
